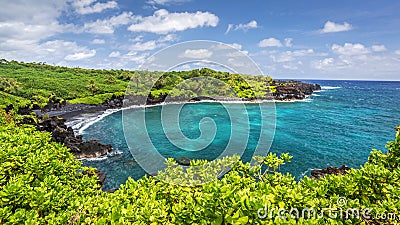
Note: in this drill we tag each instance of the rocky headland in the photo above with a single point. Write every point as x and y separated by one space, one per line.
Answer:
60 133
330 170
293 90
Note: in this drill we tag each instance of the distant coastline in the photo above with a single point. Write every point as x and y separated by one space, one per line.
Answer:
287 94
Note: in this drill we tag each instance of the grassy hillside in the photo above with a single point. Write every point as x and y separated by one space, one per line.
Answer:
39 82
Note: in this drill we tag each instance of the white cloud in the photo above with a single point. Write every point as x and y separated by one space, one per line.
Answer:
26 11
270 42
229 28
397 52
250 25
378 48
143 46
117 60
197 53
166 2
163 22
237 54
349 49
91 6
98 41
81 55
359 61
290 67
226 46
114 54
56 51
324 63
289 56
244 27
139 45
236 45
21 22
168 38
107 26
332 27
232 50
24 32
135 57
288 42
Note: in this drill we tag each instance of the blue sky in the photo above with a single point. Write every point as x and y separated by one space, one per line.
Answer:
287 39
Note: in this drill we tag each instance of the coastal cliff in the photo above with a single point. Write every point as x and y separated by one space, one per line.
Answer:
293 90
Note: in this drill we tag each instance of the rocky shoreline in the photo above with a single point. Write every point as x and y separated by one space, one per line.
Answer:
330 170
293 90
285 91
60 133
56 113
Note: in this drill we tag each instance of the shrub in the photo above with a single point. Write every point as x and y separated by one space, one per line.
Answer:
40 182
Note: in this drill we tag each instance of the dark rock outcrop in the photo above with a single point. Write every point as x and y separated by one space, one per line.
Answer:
53 104
183 161
24 110
318 173
201 98
62 134
91 149
154 100
114 102
9 108
293 90
101 177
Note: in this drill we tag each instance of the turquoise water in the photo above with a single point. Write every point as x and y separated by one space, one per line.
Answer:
339 125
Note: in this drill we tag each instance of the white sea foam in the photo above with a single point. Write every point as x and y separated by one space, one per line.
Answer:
303 174
307 99
83 121
329 87
91 121
101 158
104 157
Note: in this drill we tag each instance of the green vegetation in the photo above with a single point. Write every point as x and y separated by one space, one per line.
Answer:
40 82
41 183
95 99
35 83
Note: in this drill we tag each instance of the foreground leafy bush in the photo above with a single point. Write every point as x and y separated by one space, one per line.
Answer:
41 183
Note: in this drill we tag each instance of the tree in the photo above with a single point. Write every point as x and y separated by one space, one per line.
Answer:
110 79
8 85
92 87
269 79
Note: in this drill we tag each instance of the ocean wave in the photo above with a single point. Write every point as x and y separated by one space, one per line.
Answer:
299 100
305 173
329 87
101 158
80 123
316 95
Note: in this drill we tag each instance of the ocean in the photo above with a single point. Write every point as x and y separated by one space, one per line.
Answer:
339 125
